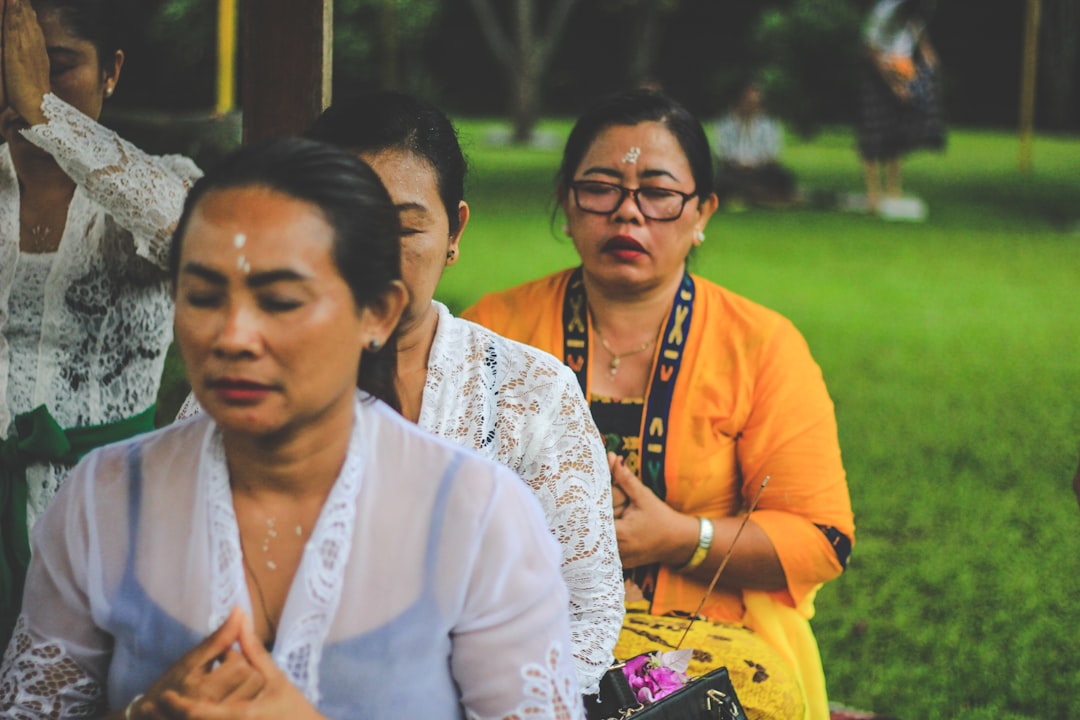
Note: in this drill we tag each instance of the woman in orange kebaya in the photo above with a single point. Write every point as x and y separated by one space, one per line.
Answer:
701 395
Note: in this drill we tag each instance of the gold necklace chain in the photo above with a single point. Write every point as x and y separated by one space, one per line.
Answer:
262 597
616 358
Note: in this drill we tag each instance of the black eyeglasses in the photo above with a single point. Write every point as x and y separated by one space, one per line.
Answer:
601 198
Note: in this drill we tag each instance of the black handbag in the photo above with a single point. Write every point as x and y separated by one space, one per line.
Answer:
709 697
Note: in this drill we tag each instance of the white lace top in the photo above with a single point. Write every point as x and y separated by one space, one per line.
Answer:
523 408
106 314
429 588
23 329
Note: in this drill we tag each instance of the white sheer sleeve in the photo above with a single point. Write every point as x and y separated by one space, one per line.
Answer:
510 653
143 193
55 662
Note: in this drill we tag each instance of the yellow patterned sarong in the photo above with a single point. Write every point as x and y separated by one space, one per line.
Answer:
766 686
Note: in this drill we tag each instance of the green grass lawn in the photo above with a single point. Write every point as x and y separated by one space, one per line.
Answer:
952 351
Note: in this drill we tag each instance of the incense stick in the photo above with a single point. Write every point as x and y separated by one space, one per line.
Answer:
724 561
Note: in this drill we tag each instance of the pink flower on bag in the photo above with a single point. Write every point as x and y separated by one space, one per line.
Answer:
657 675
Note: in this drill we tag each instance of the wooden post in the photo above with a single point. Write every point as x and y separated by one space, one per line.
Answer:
1027 83
226 58
287 48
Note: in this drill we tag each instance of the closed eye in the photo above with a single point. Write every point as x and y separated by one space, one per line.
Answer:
278 304
203 299
651 193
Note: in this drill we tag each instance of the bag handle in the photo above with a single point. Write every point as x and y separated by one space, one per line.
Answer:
724 561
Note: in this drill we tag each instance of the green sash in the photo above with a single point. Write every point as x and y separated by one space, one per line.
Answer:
40 439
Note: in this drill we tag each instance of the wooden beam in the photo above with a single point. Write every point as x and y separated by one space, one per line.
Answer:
286 65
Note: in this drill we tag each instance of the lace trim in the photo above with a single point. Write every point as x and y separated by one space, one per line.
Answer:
522 408
549 692
144 193
39 680
308 614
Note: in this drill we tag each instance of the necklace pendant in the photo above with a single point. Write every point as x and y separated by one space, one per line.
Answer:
615 365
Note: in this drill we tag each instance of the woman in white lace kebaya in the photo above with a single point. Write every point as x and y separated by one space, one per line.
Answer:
85 222
512 403
299 550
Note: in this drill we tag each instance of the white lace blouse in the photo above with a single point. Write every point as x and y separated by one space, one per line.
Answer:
429 588
106 314
523 408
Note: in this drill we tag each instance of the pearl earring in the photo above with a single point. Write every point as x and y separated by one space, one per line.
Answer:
375 345
108 91
566 230
699 237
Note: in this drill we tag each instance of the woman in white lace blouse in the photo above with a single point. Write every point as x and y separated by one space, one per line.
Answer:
513 403
299 550
85 222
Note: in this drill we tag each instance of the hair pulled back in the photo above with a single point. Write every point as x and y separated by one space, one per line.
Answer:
375 121
99 22
352 200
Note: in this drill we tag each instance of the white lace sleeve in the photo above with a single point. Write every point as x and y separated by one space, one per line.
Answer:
567 468
144 193
39 680
523 408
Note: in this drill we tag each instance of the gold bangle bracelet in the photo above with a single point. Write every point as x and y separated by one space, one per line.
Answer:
705 536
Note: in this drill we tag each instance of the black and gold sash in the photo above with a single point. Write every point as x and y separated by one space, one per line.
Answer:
666 365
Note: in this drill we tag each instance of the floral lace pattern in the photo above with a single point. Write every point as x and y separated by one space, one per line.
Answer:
521 407
304 626
107 316
39 680
549 693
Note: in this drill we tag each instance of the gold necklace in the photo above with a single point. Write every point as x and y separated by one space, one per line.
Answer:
616 358
262 598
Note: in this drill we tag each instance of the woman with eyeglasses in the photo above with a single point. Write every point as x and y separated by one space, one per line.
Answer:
701 395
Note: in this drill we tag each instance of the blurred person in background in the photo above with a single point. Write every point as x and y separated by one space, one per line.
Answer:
748 143
900 100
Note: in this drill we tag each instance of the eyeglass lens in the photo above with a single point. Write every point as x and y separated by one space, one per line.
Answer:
654 203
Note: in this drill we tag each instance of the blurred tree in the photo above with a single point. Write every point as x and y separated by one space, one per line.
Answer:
648 21
181 54
379 43
809 56
524 51
1061 26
